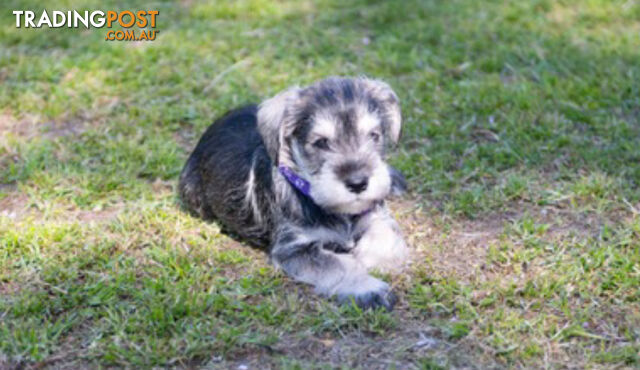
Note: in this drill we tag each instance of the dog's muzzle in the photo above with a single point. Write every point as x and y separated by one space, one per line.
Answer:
304 186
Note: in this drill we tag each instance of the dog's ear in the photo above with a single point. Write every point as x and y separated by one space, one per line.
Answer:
271 116
390 104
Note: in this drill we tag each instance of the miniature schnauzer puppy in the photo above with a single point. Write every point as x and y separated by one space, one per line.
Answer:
303 174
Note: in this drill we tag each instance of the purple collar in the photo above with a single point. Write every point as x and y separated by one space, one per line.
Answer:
305 187
298 182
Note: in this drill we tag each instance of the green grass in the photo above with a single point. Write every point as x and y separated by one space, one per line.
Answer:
520 143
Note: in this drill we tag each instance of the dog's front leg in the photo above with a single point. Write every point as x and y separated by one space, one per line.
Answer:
381 244
303 257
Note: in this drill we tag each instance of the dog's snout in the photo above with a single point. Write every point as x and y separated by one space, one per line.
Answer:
357 183
355 175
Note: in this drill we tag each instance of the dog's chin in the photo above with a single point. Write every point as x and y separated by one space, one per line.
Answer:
354 207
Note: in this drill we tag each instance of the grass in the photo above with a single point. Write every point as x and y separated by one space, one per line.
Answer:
520 144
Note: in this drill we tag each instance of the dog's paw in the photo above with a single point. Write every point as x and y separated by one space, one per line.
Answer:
368 293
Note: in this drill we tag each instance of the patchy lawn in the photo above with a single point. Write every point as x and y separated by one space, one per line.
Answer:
521 145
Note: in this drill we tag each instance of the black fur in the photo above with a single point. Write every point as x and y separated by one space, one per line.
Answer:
212 180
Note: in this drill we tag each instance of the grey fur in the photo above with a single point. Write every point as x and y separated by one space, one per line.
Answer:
334 134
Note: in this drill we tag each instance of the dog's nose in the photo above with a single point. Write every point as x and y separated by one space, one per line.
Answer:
357 184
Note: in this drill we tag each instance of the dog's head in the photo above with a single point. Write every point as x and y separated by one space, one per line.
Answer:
334 133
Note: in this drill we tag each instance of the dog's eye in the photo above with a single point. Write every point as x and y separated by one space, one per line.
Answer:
375 136
322 143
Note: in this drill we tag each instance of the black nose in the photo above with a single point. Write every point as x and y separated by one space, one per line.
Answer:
357 184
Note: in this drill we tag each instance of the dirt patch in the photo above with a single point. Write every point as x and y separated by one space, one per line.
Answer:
458 248
54 129
15 205
405 347
450 248
29 126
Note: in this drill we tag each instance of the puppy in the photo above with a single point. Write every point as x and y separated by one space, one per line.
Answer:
303 174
